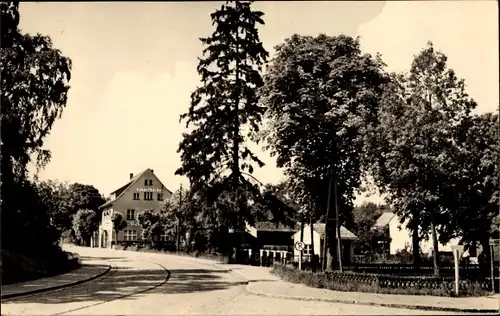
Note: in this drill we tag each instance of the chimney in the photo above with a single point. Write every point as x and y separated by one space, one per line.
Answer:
152 171
131 176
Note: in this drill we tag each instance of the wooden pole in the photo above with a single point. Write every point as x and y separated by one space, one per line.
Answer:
311 224
325 249
492 270
178 241
457 275
337 223
301 238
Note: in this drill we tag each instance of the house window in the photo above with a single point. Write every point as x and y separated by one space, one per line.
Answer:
130 215
150 182
148 196
145 182
163 237
130 234
160 197
136 196
307 250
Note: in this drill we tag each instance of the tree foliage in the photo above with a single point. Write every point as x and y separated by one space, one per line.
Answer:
119 223
365 217
321 95
153 225
475 180
85 196
415 146
85 223
34 78
57 197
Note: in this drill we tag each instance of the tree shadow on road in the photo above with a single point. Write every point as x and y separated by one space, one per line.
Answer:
117 258
129 283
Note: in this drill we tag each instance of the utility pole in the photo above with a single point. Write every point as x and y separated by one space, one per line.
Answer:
179 220
324 263
337 223
311 225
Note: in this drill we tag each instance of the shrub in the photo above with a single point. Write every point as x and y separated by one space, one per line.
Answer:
18 267
378 283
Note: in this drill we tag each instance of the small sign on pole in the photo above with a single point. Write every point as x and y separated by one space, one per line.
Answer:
493 243
299 245
458 251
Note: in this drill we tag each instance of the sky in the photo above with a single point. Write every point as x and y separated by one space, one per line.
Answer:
134 68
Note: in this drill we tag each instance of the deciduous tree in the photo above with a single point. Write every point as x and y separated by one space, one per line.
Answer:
119 224
57 197
474 180
85 223
34 78
321 95
415 144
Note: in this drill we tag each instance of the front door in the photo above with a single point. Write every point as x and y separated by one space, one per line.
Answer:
104 240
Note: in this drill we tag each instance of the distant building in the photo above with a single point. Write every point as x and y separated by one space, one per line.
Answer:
401 237
143 191
347 239
272 239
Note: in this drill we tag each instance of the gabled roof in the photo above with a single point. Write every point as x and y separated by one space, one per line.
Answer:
344 232
274 227
119 192
384 219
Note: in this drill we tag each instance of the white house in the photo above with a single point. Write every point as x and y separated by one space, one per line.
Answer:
401 237
347 238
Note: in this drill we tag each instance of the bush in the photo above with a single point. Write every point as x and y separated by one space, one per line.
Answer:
17 267
378 283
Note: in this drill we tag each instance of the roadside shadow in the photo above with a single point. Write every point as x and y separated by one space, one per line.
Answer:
128 283
82 258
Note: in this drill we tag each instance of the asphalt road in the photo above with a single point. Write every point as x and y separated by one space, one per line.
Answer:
156 284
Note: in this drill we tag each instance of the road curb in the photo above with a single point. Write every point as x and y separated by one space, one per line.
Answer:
57 287
358 302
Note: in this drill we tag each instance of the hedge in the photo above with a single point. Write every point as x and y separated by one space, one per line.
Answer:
379 283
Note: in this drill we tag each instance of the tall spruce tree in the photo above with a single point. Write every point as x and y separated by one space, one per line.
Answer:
221 108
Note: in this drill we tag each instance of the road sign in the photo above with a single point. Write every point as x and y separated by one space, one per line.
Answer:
494 242
457 254
299 245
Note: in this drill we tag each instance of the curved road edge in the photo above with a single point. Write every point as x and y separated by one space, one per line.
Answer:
92 277
368 303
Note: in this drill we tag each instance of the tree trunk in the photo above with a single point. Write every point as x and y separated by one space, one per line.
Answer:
435 246
311 223
236 145
485 244
416 241
326 261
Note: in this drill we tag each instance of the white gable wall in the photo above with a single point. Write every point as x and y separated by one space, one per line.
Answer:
400 236
307 240
401 239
